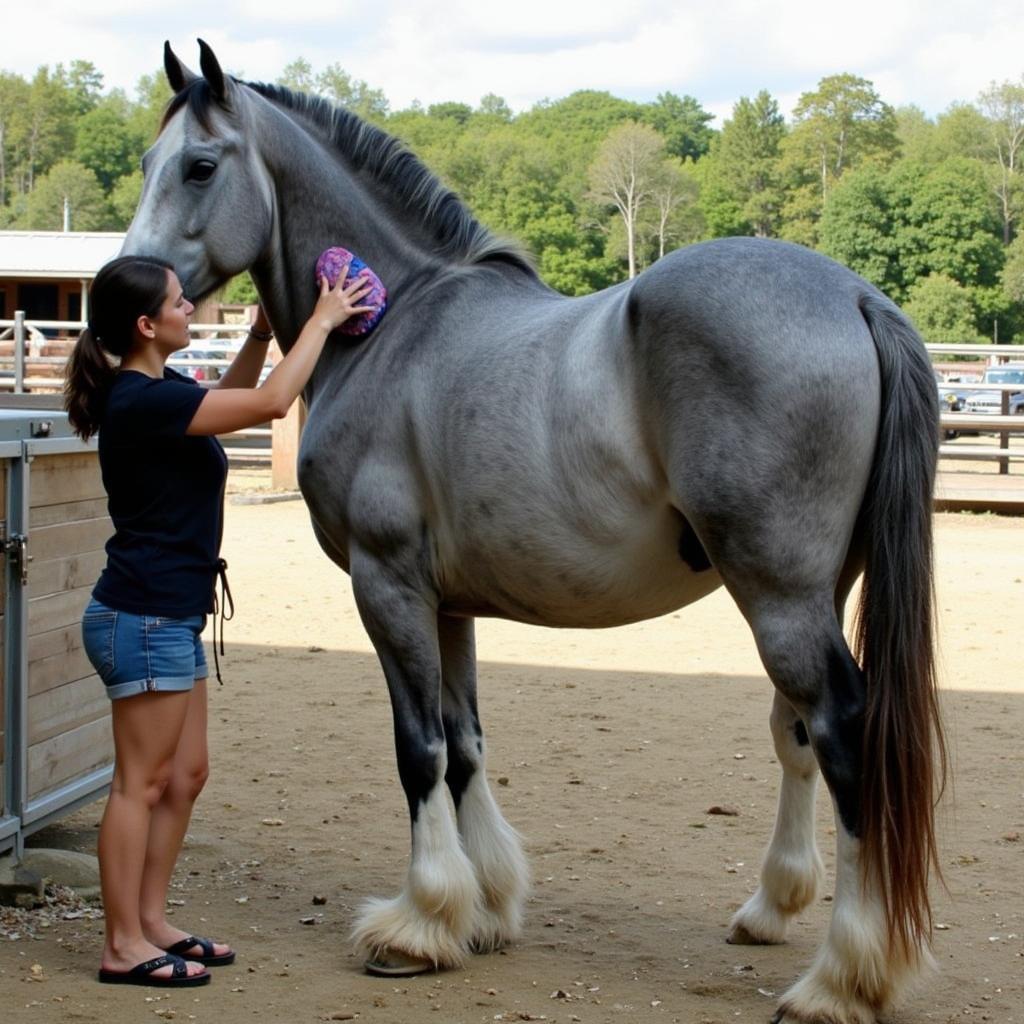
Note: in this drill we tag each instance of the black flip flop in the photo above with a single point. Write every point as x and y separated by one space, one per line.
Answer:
208 958
142 974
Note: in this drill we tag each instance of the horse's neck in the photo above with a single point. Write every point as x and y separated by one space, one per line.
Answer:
320 203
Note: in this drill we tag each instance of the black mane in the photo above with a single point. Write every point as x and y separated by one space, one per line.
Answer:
459 235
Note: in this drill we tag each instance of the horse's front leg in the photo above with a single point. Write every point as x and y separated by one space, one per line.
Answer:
490 842
430 923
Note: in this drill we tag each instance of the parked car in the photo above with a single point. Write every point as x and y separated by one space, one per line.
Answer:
990 402
951 399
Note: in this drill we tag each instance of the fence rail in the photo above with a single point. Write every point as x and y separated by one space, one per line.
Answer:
213 346
210 351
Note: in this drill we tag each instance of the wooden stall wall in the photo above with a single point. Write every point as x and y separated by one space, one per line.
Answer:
68 710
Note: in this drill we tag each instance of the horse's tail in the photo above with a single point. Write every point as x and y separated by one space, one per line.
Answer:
904 746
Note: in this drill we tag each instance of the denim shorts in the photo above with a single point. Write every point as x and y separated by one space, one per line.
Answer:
143 653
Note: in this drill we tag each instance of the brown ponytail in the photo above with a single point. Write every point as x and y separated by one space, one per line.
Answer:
124 290
90 372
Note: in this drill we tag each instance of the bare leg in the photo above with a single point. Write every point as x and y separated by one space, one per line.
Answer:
792 868
169 823
146 732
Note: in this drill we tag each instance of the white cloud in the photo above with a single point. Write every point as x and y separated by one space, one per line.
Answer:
928 52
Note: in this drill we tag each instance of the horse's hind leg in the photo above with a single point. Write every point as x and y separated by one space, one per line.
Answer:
492 845
857 971
431 922
792 868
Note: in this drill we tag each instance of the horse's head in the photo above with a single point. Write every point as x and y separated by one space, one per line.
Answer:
207 200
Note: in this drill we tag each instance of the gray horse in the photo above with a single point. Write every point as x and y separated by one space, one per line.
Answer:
745 413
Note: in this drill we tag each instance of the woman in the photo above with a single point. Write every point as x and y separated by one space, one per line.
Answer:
164 473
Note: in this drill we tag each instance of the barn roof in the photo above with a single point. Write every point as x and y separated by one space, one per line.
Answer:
57 254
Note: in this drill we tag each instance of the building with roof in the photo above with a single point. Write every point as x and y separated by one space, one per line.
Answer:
47 273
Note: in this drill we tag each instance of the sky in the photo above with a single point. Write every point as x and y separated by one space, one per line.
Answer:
927 52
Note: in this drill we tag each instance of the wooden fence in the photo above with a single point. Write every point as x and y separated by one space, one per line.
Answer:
29 361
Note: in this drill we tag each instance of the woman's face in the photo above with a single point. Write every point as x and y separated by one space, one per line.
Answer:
171 322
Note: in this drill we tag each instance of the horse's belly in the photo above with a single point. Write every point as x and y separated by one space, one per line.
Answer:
571 582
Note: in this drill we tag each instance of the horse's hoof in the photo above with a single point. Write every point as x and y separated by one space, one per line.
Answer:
740 936
391 963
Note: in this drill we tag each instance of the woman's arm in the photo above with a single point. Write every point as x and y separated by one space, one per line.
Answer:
223 410
245 368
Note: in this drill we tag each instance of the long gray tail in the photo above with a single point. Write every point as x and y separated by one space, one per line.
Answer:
904 744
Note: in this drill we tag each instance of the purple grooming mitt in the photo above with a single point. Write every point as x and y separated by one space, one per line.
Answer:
330 264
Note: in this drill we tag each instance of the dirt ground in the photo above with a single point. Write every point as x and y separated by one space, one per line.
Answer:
606 751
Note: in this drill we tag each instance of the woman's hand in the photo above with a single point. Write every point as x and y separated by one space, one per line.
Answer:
223 411
337 304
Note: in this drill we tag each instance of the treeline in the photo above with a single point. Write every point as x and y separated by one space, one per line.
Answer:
599 187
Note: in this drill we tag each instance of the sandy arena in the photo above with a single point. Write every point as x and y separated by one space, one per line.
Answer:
606 750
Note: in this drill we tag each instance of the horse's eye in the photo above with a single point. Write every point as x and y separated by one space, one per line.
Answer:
201 170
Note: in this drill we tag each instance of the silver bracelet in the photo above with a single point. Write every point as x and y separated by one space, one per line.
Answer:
261 335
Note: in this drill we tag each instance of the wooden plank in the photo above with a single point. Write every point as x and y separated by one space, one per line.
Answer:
58 669
69 573
284 448
68 539
56 642
959 451
69 755
56 610
56 479
992 422
68 511
66 708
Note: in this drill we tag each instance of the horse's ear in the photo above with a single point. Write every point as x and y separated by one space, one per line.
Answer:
219 83
178 75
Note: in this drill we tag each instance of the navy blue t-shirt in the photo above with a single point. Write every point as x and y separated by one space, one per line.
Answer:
165 494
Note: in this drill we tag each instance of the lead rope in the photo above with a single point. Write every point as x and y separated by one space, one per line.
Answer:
225 607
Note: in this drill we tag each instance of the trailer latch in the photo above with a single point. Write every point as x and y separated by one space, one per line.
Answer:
16 550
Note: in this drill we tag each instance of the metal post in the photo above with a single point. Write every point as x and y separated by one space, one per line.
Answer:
15 648
1004 435
19 351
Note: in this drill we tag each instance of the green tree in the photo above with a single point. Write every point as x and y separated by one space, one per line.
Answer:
623 175
152 96
962 130
85 83
298 76
1013 271
495 106
450 110
44 127
67 180
1003 104
335 83
946 226
857 228
942 310
742 189
241 289
14 91
683 123
915 132
672 216
106 143
838 126
124 198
